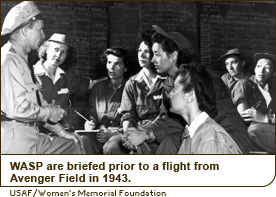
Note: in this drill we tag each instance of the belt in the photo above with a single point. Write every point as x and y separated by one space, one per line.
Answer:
29 124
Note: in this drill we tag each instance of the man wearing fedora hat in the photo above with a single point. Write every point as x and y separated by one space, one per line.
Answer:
255 101
235 64
22 105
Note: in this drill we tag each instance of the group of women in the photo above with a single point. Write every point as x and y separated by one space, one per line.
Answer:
151 112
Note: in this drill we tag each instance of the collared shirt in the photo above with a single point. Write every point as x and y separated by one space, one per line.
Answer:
141 74
18 91
208 137
140 101
64 84
196 123
231 81
265 93
248 90
104 103
167 123
40 70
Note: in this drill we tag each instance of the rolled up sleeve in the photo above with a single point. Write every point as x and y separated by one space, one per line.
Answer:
128 104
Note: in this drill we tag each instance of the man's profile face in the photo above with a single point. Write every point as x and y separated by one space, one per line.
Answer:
234 65
35 35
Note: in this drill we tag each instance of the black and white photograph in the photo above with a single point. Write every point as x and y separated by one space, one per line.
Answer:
137 98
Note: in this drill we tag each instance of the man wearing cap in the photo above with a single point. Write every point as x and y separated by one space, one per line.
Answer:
255 101
22 105
170 49
235 63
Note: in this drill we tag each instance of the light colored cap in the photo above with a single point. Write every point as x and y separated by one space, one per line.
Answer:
60 38
19 16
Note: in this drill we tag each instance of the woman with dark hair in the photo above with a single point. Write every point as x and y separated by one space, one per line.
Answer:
141 101
106 95
170 49
193 97
255 101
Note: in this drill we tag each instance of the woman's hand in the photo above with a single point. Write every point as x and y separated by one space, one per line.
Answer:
89 125
254 115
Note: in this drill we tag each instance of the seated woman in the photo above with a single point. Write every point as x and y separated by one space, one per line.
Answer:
106 95
56 78
255 101
141 102
193 97
54 72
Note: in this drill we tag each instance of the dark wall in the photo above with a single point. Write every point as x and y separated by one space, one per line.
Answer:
248 26
212 27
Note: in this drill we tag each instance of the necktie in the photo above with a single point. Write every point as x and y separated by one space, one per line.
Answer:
185 147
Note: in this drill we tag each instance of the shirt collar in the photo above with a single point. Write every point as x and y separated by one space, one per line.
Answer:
196 123
120 86
232 79
141 76
39 70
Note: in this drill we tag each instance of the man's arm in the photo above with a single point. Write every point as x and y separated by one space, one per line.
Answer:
18 99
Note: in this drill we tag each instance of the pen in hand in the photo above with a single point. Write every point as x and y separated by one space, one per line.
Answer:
256 105
81 115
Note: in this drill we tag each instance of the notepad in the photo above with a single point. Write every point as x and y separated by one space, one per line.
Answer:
87 131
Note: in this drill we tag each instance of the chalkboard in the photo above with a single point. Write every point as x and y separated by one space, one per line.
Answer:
177 16
248 26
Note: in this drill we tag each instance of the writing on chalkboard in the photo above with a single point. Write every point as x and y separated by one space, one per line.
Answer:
248 26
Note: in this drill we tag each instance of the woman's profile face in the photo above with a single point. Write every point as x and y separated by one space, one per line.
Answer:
144 55
177 97
56 53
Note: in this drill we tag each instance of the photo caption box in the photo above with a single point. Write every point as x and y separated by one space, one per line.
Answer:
137 170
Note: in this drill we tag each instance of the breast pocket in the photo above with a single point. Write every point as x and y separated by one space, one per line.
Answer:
31 89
